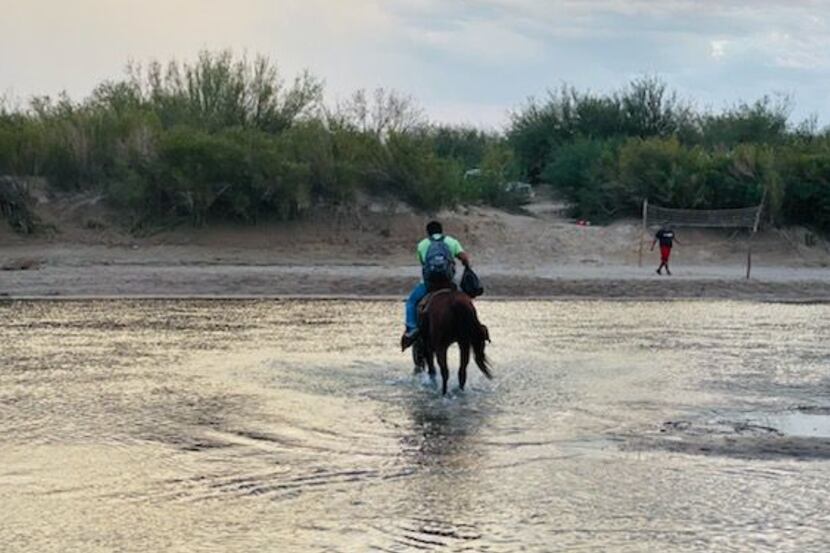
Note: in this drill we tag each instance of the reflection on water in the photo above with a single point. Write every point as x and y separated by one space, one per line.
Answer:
797 424
296 426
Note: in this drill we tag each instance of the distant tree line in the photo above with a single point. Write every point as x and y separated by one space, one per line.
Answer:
228 138
606 153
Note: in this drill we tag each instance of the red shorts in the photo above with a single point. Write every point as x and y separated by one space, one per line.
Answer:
665 252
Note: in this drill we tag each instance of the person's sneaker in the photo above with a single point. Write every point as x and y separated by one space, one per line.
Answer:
408 338
658 272
668 272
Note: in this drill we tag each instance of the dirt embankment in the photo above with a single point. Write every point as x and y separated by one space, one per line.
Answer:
368 251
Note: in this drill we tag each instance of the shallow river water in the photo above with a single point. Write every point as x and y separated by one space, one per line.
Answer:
298 426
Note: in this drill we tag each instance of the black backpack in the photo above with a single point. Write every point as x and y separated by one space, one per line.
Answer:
439 264
470 284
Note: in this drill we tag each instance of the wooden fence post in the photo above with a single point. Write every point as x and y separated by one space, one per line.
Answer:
643 232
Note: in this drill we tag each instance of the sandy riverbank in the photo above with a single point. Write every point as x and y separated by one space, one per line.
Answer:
769 284
370 254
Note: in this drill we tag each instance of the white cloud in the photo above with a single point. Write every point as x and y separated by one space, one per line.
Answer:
485 54
482 115
484 42
806 52
717 48
48 46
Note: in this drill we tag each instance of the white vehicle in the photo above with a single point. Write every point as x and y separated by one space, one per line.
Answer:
521 190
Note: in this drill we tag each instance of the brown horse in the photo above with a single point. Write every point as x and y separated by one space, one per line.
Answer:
450 317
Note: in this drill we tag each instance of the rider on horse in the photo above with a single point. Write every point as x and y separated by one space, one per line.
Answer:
436 253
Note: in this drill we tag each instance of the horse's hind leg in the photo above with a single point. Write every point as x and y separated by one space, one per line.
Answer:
418 356
445 372
430 357
465 360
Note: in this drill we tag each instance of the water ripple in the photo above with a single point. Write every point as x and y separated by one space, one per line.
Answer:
238 425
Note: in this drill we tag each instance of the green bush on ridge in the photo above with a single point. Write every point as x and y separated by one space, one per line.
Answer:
606 154
227 138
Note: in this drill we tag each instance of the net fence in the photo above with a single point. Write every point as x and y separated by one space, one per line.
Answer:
744 217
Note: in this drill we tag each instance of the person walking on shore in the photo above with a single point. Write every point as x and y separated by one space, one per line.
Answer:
667 239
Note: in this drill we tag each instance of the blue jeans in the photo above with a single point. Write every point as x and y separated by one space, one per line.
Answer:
416 296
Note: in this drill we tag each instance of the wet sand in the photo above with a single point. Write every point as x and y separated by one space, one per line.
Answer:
370 254
223 280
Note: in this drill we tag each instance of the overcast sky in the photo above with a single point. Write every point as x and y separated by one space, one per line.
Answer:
464 61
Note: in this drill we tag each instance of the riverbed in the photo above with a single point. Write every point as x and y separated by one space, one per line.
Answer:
297 425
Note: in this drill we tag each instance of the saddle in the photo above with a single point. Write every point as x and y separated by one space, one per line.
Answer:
424 304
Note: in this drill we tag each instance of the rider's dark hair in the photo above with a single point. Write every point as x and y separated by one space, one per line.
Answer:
434 227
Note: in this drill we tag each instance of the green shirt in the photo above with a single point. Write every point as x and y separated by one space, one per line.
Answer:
453 244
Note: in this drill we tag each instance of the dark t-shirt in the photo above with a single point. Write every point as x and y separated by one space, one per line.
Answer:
665 236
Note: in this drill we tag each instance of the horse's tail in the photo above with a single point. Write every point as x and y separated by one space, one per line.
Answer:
481 358
476 334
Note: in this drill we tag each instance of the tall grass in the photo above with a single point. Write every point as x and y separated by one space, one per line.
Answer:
606 153
225 137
